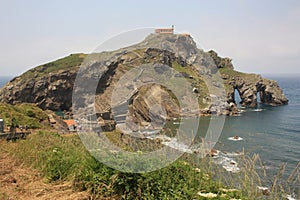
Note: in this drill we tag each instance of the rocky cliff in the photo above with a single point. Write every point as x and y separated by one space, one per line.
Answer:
252 86
50 86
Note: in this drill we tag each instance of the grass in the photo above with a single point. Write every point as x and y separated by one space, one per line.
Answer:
62 158
231 73
196 82
66 63
24 114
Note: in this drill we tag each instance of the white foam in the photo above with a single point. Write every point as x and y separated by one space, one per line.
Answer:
257 110
178 146
230 166
233 154
215 153
227 163
171 142
233 169
235 139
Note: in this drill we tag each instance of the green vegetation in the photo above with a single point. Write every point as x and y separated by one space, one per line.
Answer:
195 81
231 73
24 114
245 76
62 158
66 63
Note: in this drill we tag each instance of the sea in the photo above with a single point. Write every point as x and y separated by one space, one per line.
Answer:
271 132
4 80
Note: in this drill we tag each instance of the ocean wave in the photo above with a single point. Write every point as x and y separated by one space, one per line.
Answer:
178 146
233 154
172 143
227 163
235 138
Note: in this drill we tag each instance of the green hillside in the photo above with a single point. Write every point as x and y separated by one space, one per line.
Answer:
24 114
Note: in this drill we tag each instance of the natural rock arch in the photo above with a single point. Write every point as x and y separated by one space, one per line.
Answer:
248 89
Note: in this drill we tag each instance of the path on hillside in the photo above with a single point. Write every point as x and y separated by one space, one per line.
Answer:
18 182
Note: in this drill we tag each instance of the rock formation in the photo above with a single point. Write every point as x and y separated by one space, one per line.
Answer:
52 91
50 86
250 86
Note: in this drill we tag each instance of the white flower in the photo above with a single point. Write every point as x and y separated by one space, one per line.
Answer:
197 169
207 195
229 190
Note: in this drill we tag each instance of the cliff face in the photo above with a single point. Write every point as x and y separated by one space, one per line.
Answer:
53 92
50 86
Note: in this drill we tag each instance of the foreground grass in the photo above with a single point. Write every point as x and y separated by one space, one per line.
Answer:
24 114
63 158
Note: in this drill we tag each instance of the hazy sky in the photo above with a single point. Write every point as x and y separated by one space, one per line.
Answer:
260 36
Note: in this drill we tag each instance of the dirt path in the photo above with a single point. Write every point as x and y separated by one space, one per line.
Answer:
18 182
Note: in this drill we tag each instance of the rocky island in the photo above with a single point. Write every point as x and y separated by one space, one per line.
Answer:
50 86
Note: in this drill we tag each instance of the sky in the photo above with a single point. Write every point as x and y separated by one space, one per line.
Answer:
261 36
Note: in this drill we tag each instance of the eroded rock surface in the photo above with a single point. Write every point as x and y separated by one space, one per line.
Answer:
51 91
50 86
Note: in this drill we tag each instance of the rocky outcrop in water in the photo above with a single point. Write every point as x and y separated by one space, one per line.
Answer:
255 87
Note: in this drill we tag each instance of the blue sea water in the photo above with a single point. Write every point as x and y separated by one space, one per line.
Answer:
4 80
273 132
